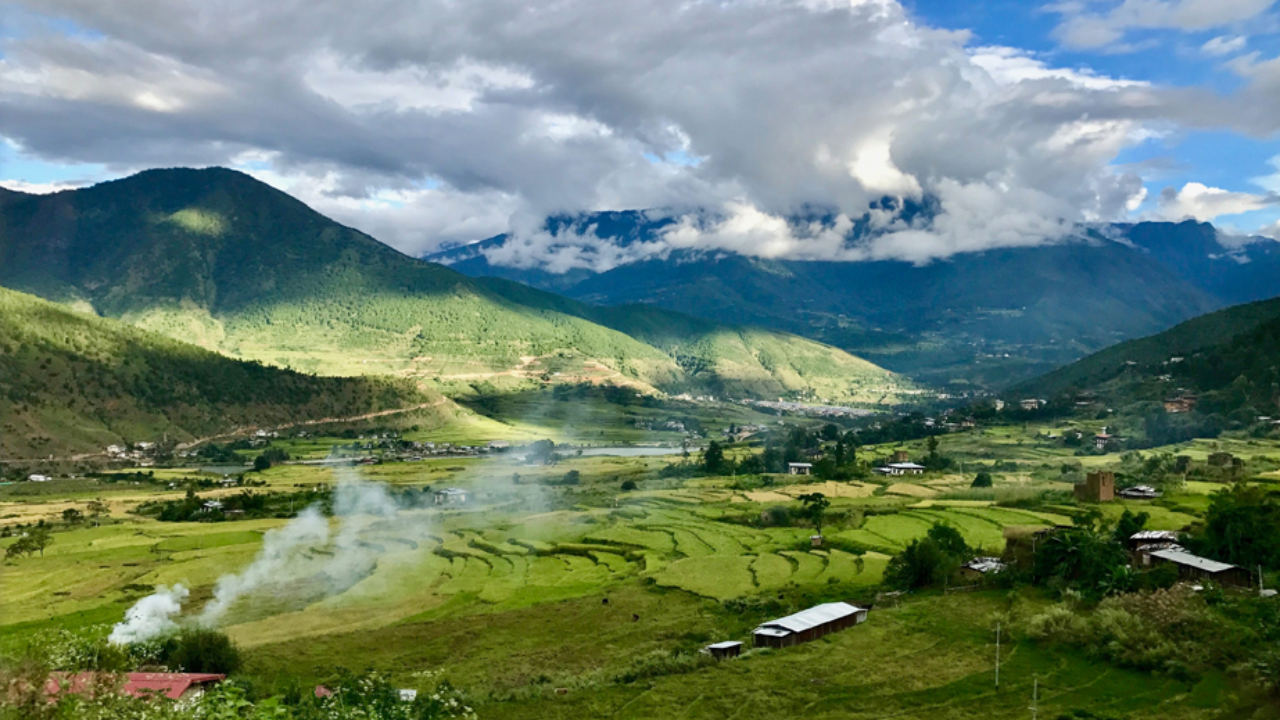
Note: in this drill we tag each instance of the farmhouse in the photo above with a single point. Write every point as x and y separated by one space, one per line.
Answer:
1180 404
1098 487
175 686
452 496
1196 568
1103 440
799 468
724 650
1032 404
808 625
900 468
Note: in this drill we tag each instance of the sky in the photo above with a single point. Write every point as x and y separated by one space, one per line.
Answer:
429 123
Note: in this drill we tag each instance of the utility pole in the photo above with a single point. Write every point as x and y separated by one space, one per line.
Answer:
997 655
1035 698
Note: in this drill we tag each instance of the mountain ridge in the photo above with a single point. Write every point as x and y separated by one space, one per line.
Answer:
217 258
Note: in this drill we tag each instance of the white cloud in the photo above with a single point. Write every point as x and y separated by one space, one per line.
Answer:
1224 45
1083 26
1204 203
430 121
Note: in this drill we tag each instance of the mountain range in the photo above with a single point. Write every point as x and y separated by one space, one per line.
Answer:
218 259
988 318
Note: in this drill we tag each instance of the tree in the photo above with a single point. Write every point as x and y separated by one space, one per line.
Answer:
1128 524
22 547
1242 526
41 538
573 477
628 485
261 463
983 480
97 509
830 431
929 560
814 508
72 516
713 458
201 650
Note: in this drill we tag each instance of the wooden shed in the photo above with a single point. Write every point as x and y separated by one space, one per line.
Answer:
724 650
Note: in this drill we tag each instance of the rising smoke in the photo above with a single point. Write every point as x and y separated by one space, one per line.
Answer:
151 617
305 549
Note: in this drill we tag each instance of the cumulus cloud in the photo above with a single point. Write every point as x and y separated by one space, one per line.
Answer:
1203 203
427 122
1084 26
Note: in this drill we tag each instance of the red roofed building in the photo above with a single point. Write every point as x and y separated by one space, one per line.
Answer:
174 686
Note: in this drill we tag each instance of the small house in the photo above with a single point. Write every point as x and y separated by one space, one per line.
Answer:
798 468
1032 404
229 481
724 650
807 625
1197 569
1139 492
1102 441
212 506
1098 487
1180 404
452 496
900 468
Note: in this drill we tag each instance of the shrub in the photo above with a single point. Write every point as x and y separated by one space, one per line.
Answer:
202 650
629 485
983 480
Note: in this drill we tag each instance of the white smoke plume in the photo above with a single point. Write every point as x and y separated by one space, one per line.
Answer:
151 617
280 549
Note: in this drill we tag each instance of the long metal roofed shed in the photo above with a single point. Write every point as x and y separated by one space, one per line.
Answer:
1194 567
808 625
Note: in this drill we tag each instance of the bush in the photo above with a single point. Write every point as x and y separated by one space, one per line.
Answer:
629 485
201 650
983 480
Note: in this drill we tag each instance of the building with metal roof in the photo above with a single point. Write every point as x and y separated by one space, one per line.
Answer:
808 625
1196 568
724 650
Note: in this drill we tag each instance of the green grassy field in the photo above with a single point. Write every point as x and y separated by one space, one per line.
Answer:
538 587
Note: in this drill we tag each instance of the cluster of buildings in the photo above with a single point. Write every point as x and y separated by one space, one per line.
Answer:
825 411
1151 548
141 453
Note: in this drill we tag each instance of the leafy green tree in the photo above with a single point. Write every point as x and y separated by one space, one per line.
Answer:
72 516
628 485
1242 526
1128 524
928 561
713 459
983 480
814 509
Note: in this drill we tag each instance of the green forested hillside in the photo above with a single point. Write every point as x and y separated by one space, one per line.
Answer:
763 362
1228 360
74 383
216 258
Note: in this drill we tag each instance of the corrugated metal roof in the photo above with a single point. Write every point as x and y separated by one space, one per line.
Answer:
985 565
811 618
1195 561
906 466
724 645
1154 535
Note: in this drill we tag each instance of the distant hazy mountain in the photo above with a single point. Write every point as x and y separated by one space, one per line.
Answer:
989 318
216 258
74 383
